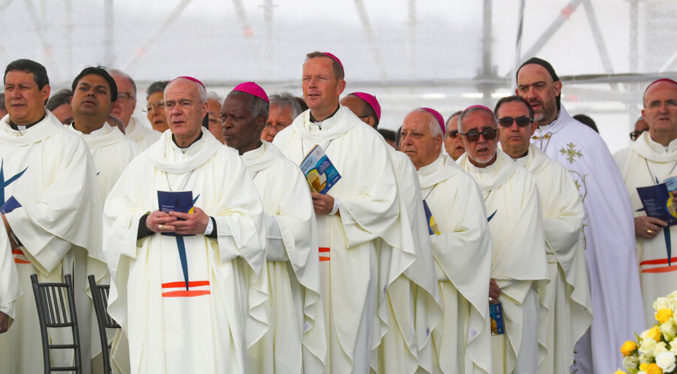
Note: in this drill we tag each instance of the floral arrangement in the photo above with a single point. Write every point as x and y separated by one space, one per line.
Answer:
655 350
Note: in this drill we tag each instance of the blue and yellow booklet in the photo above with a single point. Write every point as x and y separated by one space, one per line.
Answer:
178 201
319 171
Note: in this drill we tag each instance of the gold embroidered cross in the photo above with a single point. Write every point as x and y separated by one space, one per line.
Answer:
571 152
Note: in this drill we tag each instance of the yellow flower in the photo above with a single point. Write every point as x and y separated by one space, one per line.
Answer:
628 348
663 315
653 369
655 333
619 371
643 366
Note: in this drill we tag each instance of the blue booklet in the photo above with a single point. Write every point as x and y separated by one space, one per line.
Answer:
659 202
178 201
497 323
319 171
9 205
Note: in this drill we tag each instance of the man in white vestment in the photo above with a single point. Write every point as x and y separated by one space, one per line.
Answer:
183 299
518 263
294 341
414 298
608 239
51 212
568 311
461 245
361 208
94 92
124 106
649 161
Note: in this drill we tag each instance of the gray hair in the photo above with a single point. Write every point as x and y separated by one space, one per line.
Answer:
114 72
434 126
286 99
58 99
211 95
473 109
201 90
257 107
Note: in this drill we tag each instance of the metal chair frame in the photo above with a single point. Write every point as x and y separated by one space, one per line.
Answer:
56 309
104 321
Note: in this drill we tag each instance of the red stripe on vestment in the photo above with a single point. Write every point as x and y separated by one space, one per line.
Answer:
20 261
659 261
324 249
664 269
186 293
183 284
17 252
323 258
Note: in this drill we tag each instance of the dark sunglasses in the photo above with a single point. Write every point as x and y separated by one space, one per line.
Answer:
474 135
522 121
635 134
453 133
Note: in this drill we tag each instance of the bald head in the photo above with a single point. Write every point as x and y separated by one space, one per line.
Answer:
660 111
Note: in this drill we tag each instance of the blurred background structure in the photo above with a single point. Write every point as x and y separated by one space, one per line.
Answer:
445 54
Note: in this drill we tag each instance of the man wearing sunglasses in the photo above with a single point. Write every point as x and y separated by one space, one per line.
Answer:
567 297
458 234
518 263
649 161
452 141
608 230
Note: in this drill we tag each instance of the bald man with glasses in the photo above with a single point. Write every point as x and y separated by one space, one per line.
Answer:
518 261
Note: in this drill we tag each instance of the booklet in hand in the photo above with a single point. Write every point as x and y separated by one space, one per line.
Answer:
175 201
660 201
496 315
319 171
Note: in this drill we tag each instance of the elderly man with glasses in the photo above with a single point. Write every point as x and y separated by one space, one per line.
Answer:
123 108
518 261
568 312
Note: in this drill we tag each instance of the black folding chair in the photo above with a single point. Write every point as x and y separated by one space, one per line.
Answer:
56 310
100 297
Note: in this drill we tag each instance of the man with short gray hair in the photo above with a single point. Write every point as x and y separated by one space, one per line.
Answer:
283 109
518 263
124 106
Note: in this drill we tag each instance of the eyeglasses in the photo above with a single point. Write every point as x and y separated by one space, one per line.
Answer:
158 105
635 134
474 135
124 96
453 133
522 121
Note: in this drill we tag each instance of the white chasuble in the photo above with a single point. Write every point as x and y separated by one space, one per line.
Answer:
462 251
291 276
518 262
112 151
171 328
355 273
140 134
414 307
49 174
641 165
568 310
608 240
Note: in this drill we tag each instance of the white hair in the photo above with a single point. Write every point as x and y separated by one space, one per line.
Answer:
211 95
124 75
433 124
202 91
473 109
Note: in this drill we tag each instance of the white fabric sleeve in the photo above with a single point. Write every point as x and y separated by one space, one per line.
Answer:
275 249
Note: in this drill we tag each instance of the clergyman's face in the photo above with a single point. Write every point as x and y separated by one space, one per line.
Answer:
321 88
483 151
514 140
279 117
660 110
126 100
25 102
417 141
92 97
156 111
452 141
535 85
240 130
214 113
183 109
